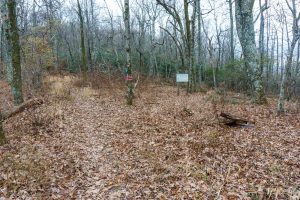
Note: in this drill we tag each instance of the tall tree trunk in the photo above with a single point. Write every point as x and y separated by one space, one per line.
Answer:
298 59
245 29
193 33
231 31
262 39
142 42
277 55
272 61
267 50
88 37
211 61
2 47
6 43
129 78
82 44
152 52
188 51
13 39
199 39
282 52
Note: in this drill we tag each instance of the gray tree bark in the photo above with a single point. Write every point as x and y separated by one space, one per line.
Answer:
129 78
298 59
199 41
262 38
231 31
246 34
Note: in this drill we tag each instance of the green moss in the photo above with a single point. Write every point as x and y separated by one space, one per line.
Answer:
14 40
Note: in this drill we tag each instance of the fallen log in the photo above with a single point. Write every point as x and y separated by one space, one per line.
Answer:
231 120
21 108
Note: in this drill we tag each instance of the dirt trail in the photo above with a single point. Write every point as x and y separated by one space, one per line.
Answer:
92 146
88 128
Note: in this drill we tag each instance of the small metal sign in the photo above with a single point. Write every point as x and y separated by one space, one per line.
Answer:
182 78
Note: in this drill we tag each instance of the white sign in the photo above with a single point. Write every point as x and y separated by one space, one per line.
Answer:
182 78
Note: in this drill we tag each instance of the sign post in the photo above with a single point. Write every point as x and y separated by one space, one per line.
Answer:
181 78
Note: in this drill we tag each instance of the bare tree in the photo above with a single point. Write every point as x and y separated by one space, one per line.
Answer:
186 34
262 36
82 44
286 79
153 12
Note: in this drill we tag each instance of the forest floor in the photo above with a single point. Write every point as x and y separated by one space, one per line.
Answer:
86 143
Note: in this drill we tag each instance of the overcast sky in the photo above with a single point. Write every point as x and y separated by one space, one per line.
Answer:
221 11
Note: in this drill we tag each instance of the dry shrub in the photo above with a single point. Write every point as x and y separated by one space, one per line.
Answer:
45 120
89 92
79 83
202 88
60 86
99 80
102 82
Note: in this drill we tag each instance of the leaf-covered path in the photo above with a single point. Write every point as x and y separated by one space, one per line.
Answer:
92 146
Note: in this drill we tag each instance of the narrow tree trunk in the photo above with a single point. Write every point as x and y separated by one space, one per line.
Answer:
129 78
199 38
231 31
272 61
13 39
211 61
282 52
2 46
267 53
2 135
88 36
82 44
262 39
152 52
193 33
277 55
298 59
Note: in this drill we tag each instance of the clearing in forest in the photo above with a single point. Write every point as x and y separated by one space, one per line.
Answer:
85 143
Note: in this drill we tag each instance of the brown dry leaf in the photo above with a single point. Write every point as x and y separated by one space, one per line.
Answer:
92 145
